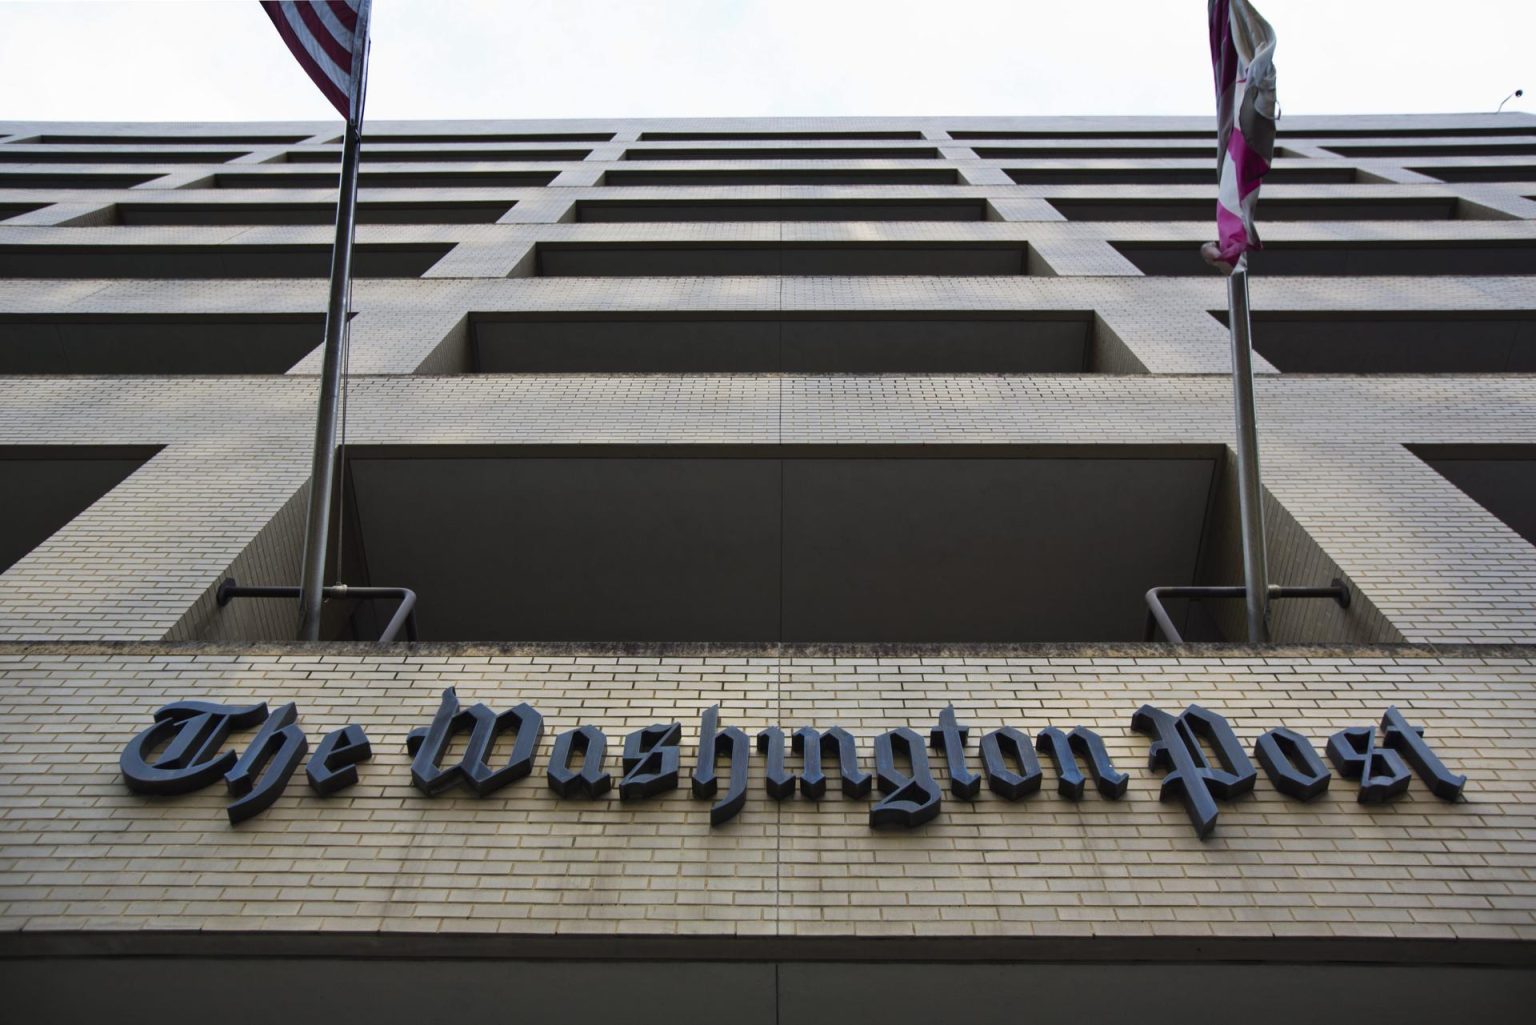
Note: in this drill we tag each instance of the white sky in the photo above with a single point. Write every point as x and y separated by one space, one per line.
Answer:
172 61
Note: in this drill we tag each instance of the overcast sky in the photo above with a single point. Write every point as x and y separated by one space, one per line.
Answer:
142 60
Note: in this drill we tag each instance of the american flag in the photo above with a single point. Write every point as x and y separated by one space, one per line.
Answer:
1242 57
327 37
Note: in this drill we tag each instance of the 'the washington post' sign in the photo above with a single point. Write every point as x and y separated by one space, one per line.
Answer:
1199 755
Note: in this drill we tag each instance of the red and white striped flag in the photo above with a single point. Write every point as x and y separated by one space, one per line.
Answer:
328 37
1242 57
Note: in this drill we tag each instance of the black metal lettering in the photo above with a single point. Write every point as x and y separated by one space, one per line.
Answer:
193 757
1408 740
333 766
1190 776
713 742
996 748
263 770
1381 772
650 761
814 747
910 800
590 781
948 738
1291 764
1064 750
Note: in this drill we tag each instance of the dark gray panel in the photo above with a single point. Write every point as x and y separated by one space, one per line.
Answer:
1151 994
608 211
42 494
416 156
389 180
985 549
310 213
1172 175
1495 256
646 259
156 343
577 549
798 176
1427 208
1525 173
754 345
787 153
131 991
1504 486
1423 342
373 260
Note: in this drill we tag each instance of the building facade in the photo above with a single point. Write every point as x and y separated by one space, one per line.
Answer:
692 435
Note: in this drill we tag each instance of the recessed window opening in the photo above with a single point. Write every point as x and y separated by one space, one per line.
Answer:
1396 342
487 212
825 153
771 136
1091 152
794 543
1500 478
10 155
171 140
47 486
46 180
1034 342
9 210
371 260
416 156
493 137
389 180
1070 134
160 344
1487 173
620 259
1488 257
665 211
1484 150
1173 175
794 176
1408 208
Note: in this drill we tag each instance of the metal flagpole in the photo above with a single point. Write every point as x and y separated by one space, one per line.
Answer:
323 470
1249 491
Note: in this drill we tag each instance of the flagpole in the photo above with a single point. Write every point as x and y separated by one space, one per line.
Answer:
1249 490
323 468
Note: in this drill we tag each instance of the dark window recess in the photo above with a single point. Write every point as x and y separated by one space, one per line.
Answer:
713 260
1068 134
156 343
798 176
670 210
1321 136
311 213
372 260
390 180
9 210
171 140
1500 478
1509 149
1401 342
1036 343
1487 173
11 155
1093 152
773 136
45 180
1492 257
47 486
828 153
680 543
499 137
1411 208
1173 175
417 156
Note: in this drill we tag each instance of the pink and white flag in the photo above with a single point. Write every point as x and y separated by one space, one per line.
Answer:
1242 57
327 38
